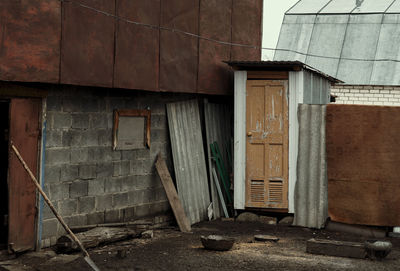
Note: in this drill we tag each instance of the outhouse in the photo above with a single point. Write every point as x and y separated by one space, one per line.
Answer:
266 98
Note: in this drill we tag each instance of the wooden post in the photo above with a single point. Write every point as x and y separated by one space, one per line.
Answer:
60 219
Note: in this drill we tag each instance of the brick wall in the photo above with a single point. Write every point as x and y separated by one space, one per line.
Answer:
367 95
88 182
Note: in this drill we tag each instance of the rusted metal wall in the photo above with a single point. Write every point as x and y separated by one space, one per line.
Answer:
96 43
246 29
363 164
215 23
30 40
87 49
137 47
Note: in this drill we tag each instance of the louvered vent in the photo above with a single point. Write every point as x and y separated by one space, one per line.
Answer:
275 191
257 193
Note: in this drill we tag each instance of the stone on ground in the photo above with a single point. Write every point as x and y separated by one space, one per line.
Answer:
287 220
247 217
266 238
147 234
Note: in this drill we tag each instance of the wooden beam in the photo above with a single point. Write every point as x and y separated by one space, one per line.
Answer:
336 248
173 198
273 75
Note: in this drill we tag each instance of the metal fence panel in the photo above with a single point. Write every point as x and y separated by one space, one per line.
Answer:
311 191
189 159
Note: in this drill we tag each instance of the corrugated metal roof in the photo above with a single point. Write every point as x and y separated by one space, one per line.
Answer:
356 45
278 66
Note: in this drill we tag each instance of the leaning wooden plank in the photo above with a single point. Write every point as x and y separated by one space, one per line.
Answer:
95 237
51 206
176 205
336 248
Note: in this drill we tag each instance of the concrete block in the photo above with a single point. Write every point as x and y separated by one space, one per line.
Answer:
120 200
95 218
160 194
114 215
72 138
45 243
129 213
58 156
87 172
128 155
159 122
72 104
86 205
104 202
90 138
125 168
129 183
112 185
53 241
143 154
116 169
69 172
53 138
336 248
68 207
80 121
115 103
79 155
46 211
116 155
105 137
100 154
148 181
142 167
143 210
77 220
159 207
52 174
136 197
78 189
91 104
98 120
59 191
61 120
159 135
96 187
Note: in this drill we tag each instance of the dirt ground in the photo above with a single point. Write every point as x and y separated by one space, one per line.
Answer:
173 250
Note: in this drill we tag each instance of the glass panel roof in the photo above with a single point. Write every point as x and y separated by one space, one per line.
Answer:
373 6
308 6
339 6
395 8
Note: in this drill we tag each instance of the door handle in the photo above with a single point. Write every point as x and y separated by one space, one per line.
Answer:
249 134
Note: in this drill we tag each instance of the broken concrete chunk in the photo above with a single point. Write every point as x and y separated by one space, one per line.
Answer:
268 220
377 250
247 217
147 234
287 220
266 238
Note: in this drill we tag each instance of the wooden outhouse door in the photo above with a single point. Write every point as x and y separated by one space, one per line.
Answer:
267 144
24 133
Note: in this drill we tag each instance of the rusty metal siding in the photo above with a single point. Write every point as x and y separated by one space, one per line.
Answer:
179 52
363 164
311 191
30 33
24 133
218 119
137 47
246 29
215 23
189 159
87 44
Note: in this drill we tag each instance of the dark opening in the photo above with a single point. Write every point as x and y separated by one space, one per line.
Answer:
4 132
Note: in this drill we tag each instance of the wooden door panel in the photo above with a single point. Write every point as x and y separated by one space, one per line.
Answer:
267 132
24 133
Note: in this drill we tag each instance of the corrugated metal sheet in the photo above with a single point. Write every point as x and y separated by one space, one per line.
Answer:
342 32
218 118
311 191
189 159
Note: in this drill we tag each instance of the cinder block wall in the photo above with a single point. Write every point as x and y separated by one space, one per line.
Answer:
367 95
88 182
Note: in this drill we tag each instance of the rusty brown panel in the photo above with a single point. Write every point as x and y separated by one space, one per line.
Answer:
137 47
24 133
363 164
215 22
87 49
246 29
215 77
30 32
178 62
182 15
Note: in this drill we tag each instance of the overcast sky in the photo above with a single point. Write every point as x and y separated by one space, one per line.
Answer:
273 16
